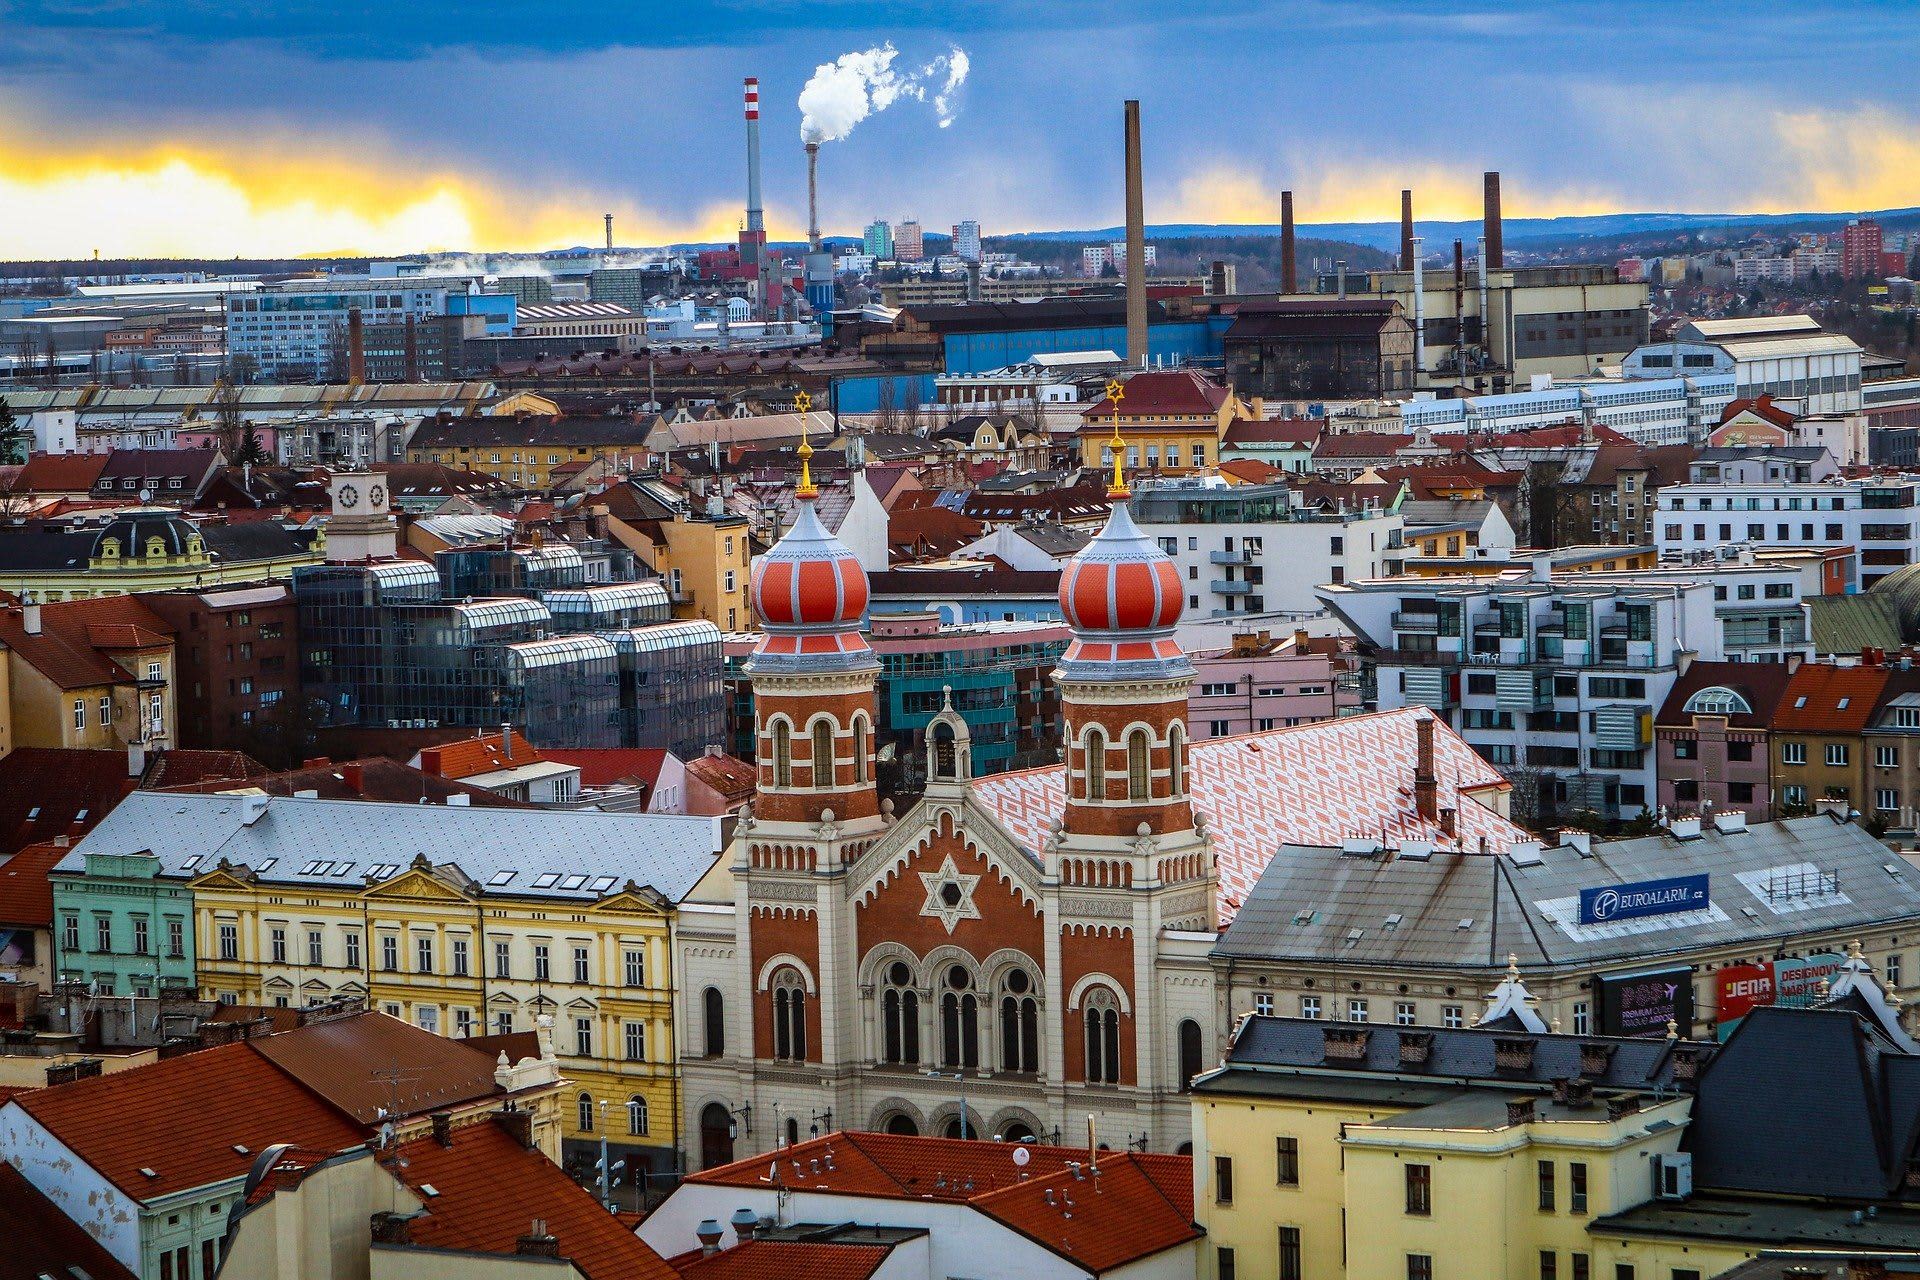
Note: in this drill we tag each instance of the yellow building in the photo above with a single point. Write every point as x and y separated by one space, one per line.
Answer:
149 549
524 448
702 558
518 915
1170 421
87 673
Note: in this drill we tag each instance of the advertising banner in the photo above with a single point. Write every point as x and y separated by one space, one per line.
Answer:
1642 1004
1643 898
1742 988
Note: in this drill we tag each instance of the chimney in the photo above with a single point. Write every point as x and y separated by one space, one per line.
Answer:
1289 273
755 238
537 1243
1426 785
813 197
708 1233
1340 278
518 1125
1495 255
442 1122
609 219
506 739
1520 1111
136 759
1136 244
392 1228
1513 1053
356 347
1406 230
30 617
351 775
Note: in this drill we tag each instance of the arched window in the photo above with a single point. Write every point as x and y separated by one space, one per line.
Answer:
1019 1023
860 750
1017 1132
789 1016
822 754
637 1116
782 754
899 1016
959 1021
583 1109
902 1124
1096 751
793 1131
1717 700
1103 1037
714 1014
1189 1053
1139 755
1177 760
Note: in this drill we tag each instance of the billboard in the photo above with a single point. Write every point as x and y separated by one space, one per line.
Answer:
1742 988
1641 1004
1643 898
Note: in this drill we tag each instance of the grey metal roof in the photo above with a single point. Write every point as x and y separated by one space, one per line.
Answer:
1461 910
564 855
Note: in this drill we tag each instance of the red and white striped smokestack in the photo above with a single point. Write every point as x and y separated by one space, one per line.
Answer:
756 220
1496 250
1289 273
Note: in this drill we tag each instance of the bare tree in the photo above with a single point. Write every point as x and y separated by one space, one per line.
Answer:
239 442
887 411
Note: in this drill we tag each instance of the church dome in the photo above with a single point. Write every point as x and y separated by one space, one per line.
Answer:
809 580
142 532
1121 582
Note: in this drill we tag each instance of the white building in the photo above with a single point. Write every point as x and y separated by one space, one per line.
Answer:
966 240
1646 410
1787 357
1879 517
1248 550
1553 678
1748 272
299 332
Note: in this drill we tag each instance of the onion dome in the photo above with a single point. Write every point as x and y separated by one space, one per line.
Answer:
810 594
1122 597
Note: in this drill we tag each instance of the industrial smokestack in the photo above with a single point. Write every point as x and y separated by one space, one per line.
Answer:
609 218
410 354
356 347
756 220
813 196
1496 248
1486 320
1136 244
1340 278
1289 274
1419 315
1406 230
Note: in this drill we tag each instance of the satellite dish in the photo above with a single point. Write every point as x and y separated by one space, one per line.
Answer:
1021 1156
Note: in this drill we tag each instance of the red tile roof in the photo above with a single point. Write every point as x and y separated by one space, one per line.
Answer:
1761 406
1247 431
489 1189
474 756
69 649
60 473
42 1241
785 1260
1362 444
726 774
1144 1203
1252 471
375 778
1165 393
1822 698
57 791
336 1058
606 766
26 895
183 1118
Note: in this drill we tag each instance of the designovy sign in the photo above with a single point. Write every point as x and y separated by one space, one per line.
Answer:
1643 898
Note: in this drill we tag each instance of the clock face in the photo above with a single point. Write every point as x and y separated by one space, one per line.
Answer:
376 495
349 496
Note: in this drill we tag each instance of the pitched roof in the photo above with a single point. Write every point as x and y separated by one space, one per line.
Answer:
726 774
375 778
1823 698
60 473
43 1243
487 1189
483 753
70 648
1761 406
1168 392
1251 470
786 1260
1849 624
1247 431
540 431
47 792
1762 684
606 766
186 1121
1362 444
26 895
1144 1203
1311 784
336 1060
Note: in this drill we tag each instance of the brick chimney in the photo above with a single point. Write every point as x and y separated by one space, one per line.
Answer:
1426 786
392 1228
1520 1111
518 1124
351 775
442 1122
537 1243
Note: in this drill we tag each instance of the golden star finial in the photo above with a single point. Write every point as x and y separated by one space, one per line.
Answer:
1117 487
803 404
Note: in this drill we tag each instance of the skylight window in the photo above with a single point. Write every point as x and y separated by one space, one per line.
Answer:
499 878
602 884
1800 702
192 862
546 879
573 882
267 864
342 868
33 813
1466 922
312 867
1842 704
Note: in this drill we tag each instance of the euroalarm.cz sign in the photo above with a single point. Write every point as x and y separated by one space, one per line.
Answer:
1645 898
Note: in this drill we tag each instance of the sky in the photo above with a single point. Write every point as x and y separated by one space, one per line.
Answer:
218 128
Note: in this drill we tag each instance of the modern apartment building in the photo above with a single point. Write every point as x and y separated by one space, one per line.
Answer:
1249 550
1553 679
1879 516
298 333
1672 410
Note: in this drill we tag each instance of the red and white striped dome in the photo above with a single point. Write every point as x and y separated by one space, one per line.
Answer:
808 580
1120 581
1122 597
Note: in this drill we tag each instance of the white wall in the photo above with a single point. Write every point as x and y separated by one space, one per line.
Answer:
105 1212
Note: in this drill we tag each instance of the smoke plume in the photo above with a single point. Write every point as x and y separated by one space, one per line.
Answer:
854 86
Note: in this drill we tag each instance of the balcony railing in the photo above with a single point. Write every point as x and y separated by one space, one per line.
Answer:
1230 557
1222 586
1426 623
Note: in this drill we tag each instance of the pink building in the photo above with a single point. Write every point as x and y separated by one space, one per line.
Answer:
1261 683
1711 737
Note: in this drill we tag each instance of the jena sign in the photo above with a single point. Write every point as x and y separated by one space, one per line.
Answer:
1643 898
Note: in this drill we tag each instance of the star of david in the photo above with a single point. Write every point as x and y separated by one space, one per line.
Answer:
949 895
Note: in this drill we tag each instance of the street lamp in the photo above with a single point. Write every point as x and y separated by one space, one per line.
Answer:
738 1117
962 1079
817 1119
607 1181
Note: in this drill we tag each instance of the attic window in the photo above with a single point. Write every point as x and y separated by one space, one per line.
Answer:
147 1173
266 864
342 868
192 862
1466 922
80 816
546 879
428 1190
499 878
1393 921
1842 704
1800 701
602 883
240 1149
1305 916
312 867
33 813
573 882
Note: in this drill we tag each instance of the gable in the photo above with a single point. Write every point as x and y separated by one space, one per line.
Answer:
953 878
417 884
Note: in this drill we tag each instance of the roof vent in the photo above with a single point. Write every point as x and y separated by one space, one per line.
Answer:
1345 1043
1513 1053
1525 853
1684 828
1417 850
1729 822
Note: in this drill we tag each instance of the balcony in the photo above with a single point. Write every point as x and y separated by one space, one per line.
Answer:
1424 623
1227 587
1230 557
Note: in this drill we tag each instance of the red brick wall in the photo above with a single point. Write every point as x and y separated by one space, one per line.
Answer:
893 913
849 799
1110 953
784 932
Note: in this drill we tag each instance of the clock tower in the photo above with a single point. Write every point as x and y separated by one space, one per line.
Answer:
361 524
